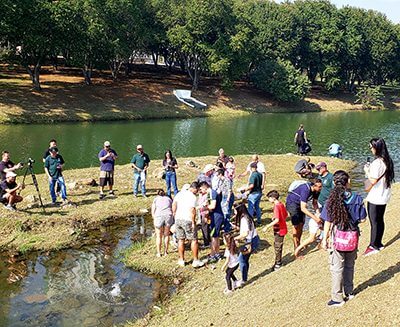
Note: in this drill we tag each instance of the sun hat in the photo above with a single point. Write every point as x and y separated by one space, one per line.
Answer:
10 174
208 168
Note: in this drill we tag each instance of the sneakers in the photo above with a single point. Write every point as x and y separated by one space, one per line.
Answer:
370 251
101 196
349 297
181 263
381 248
277 267
227 292
10 207
334 304
111 193
197 264
238 283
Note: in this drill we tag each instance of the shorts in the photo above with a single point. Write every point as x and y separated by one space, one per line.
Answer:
217 221
313 226
161 221
296 215
106 177
184 230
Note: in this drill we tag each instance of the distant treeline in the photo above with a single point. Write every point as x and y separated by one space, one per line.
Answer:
280 48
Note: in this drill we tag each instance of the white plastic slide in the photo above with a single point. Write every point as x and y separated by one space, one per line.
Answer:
185 96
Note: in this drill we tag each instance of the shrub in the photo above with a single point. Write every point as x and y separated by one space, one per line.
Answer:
370 97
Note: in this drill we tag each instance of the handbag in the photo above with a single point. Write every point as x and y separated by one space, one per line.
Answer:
164 175
345 241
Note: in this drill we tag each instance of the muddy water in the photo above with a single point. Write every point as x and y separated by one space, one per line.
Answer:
87 286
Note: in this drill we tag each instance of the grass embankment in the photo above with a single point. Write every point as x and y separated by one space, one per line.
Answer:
146 95
295 295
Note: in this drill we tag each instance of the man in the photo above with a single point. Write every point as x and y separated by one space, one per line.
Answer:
335 150
260 169
107 157
296 205
140 163
327 182
52 144
303 168
207 174
7 165
254 190
53 166
8 192
184 211
222 158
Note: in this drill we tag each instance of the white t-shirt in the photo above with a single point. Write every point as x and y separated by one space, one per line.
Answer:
260 167
233 258
185 202
379 193
244 228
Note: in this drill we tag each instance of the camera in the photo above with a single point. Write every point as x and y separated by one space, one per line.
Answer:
30 161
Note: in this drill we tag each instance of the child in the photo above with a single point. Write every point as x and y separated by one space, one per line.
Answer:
279 223
231 263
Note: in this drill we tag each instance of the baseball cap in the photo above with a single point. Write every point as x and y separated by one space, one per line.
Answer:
107 143
321 164
139 146
53 149
208 168
253 165
10 174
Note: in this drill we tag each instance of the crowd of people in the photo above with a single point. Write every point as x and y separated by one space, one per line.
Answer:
318 200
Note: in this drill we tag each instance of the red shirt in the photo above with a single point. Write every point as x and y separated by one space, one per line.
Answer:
280 213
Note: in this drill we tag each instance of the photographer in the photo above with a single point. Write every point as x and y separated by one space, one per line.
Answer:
53 167
6 165
8 193
107 157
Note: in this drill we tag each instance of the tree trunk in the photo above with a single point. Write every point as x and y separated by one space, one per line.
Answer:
115 67
87 74
35 75
154 55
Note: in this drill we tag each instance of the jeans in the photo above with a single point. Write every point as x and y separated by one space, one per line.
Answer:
376 213
254 205
60 181
244 258
227 204
342 270
170 178
137 178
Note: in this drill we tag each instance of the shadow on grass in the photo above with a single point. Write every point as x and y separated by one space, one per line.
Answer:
379 278
393 240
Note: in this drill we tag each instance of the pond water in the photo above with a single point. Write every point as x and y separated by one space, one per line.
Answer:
87 286
79 143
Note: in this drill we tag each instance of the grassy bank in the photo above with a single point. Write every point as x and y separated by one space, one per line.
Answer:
146 95
31 229
295 295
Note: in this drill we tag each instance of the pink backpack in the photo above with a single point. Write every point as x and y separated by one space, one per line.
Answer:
345 241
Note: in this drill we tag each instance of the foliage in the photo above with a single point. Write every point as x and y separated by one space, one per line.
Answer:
370 97
281 80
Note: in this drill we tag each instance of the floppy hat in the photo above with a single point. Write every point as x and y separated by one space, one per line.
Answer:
208 168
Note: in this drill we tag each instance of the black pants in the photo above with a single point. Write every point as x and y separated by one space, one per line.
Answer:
205 229
230 276
375 214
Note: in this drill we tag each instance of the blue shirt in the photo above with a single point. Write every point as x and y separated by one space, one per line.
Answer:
355 206
107 164
335 149
300 194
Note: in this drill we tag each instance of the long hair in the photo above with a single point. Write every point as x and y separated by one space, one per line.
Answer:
230 243
170 154
335 204
382 152
241 211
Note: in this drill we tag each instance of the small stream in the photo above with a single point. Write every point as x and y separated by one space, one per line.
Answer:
82 286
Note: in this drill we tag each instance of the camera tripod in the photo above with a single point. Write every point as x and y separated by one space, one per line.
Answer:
29 169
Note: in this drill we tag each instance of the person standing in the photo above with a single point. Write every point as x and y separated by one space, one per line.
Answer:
184 211
254 190
7 165
343 212
161 210
52 143
140 163
279 224
300 139
327 182
231 263
170 165
260 168
53 166
380 176
107 157
222 158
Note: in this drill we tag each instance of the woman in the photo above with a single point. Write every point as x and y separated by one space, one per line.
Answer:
380 176
248 234
343 211
170 165
300 139
161 210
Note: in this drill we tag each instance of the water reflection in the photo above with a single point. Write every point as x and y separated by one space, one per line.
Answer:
86 287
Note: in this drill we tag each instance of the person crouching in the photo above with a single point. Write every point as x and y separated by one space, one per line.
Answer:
9 188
